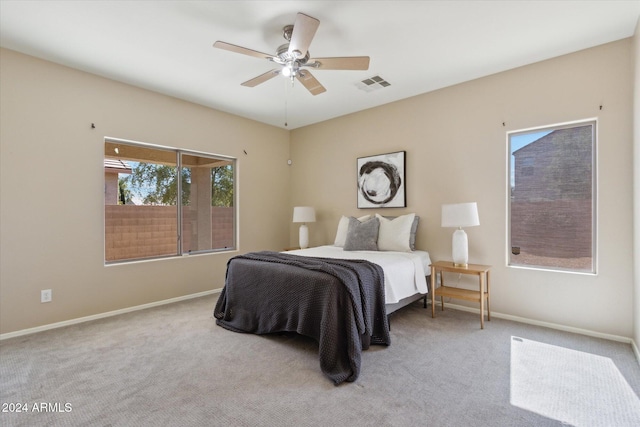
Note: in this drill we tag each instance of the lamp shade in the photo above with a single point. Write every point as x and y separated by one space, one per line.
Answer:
460 215
304 214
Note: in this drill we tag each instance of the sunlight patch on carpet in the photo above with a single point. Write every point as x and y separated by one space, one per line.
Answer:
574 387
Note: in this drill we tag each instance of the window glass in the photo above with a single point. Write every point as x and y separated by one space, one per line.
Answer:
152 192
552 198
207 207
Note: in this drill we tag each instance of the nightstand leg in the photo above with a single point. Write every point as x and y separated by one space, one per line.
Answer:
433 292
481 301
442 284
488 298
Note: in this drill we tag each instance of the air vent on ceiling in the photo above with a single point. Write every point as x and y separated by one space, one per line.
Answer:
372 83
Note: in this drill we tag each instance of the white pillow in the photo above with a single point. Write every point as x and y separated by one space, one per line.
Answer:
343 227
395 234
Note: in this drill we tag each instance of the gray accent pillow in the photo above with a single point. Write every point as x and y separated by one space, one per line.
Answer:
362 236
414 230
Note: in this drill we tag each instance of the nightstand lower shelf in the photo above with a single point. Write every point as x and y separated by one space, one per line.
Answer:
457 293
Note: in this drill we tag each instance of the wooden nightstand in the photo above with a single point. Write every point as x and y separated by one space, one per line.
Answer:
482 271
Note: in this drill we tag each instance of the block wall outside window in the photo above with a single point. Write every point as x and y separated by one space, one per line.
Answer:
552 200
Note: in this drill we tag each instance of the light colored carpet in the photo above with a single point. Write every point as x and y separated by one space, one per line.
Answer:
577 388
173 366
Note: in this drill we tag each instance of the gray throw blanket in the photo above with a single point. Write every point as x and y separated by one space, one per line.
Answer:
339 303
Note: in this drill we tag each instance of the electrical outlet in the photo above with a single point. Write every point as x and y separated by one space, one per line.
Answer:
45 295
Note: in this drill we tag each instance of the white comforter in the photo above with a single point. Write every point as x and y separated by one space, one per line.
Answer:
404 272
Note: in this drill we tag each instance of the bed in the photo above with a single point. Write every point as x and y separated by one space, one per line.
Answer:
404 272
339 294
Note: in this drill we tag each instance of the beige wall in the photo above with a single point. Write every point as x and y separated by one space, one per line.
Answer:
456 151
52 184
455 141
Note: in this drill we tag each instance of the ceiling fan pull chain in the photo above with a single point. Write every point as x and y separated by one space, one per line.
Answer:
286 99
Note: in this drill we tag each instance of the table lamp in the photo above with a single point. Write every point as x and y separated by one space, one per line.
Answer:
460 215
304 214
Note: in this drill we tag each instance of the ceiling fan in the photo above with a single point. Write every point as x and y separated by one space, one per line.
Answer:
293 56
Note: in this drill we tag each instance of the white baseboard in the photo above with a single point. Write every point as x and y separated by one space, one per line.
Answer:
546 325
635 351
103 315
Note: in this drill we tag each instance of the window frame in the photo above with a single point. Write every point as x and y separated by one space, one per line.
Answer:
179 153
593 122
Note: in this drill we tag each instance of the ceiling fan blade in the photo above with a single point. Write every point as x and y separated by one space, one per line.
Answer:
304 29
261 78
310 82
342 63
243 50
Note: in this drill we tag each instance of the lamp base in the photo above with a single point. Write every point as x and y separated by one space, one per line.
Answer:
304 236
460 248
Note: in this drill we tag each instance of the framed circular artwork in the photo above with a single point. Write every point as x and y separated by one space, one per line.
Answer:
381 181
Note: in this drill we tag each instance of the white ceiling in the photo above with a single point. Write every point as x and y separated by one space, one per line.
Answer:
417 46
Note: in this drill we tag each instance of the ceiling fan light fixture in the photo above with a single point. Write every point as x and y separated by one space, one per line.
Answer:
289 70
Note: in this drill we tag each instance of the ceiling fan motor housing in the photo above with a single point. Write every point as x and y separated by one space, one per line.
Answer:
285 56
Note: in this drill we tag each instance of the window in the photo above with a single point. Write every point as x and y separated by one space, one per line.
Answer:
552 197
162 202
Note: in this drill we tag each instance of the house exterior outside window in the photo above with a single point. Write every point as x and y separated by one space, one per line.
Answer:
552 222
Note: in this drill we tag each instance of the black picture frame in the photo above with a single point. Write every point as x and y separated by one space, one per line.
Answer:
381 181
